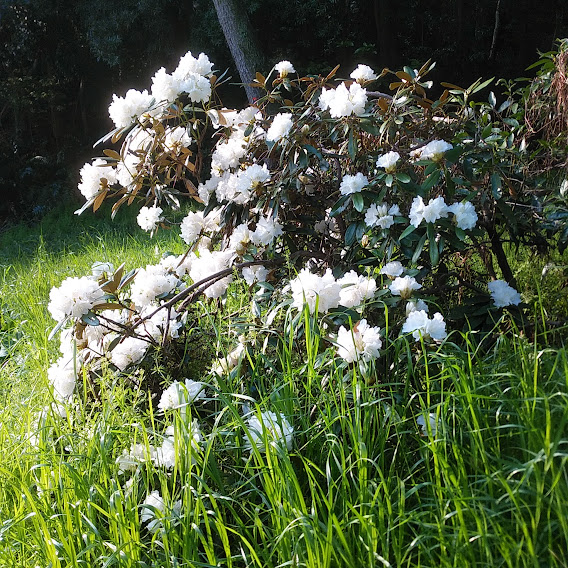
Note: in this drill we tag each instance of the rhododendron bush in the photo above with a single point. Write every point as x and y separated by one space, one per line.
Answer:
378 217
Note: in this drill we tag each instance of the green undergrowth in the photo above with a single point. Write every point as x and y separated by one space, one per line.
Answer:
453 455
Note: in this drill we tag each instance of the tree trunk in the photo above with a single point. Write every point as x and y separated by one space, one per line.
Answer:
242 42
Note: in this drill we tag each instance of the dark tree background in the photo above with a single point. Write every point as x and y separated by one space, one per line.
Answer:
61 61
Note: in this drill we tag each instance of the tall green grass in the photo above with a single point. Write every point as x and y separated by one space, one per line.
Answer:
481 483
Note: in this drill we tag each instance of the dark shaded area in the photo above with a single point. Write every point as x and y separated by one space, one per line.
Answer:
62 61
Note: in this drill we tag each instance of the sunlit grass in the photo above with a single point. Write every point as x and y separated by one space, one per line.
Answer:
458 459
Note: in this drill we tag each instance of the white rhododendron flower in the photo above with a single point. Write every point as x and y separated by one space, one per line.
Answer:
419 211
151 282
130 460
62 377
311 289
362 343
404 286
284 68
267 229
434 150
152 510
416 305
381 215
353 184
419 324
355 289
269 426
179 394
342 101
124 111
165 455
465 215
281 125
363 73
92 176
503 295
228 363
149 217
128 352
164 86
252 274
388 161
177 137
99 268
392 269
75 297
209 263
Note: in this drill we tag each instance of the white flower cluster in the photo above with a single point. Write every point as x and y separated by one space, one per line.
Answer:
381 215
404 286
150 283
191 76
363 73
503 295
123 111
281 125
419 324
92 176
353 184
75 297
349 291
434 151
180 394
465 215
362 343
269 427
343 101
388 161
284 68
149 217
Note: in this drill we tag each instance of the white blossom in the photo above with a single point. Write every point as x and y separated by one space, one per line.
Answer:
209 263
388 161
267 229
311 289
355 289
271 427
416 305
149 217
92 176
151 282
362 343
353 184
179 394
344 102
62 377
153 510
392 269
430 213
418 323
363 73
124 111
130 351
252 274
284 68
404 286
381 215
434 150
465 215
226 364
503 295
75 297
281 125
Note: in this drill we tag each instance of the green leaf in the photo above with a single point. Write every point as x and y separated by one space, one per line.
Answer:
338 206
388 180
496 189
431 180
492 99
352 145
419 248
410 229
433 245
358 201
403 178
351 234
